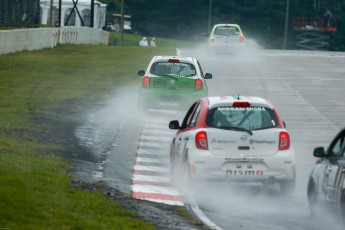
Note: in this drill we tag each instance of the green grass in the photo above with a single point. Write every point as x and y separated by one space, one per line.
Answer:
133 39
40 90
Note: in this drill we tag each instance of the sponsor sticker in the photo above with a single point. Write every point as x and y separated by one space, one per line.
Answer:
244 159
173 64
168 104
269 142
241 172
241 109
215 141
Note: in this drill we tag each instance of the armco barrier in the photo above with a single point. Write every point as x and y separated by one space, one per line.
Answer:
34 39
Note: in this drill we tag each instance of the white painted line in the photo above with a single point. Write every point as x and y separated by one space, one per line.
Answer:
158 132
155 190
153 152
197 211
176 203
150 168
159 179
152 160
156 138
152 144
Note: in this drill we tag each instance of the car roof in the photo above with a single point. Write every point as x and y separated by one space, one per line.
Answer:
226 24
181 58
216 101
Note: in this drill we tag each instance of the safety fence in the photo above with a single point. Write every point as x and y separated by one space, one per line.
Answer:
19 13
34 39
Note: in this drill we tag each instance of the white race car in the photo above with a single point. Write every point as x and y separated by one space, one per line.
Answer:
226 37
233 139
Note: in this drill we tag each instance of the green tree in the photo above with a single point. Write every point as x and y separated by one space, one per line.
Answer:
262 20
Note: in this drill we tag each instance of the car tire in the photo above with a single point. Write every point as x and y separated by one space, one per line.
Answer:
342 205
312 198
172 169
287 187
186 177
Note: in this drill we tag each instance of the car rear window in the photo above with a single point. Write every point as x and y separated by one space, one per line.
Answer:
226 31
251 118
178 69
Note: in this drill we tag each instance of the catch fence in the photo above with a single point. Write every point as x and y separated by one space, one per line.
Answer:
19 13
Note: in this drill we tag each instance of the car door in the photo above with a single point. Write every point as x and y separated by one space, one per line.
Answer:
188 136
202 75
334 172
182 136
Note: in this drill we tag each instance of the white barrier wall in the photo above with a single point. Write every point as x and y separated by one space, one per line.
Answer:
34 39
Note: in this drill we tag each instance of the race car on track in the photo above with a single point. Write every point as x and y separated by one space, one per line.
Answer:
232 139
172 82
326 186
225 37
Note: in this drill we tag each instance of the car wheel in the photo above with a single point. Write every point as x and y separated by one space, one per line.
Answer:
172 169
312 198
287 187
342 205
186 177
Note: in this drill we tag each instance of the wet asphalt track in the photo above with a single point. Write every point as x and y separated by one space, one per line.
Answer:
306 87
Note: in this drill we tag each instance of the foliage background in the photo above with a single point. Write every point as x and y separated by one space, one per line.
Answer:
262 20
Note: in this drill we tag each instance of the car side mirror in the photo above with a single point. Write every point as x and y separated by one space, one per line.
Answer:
208 76
141 73
319 152
174 124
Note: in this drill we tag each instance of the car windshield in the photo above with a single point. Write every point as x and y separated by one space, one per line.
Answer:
226 31
175 69
239 118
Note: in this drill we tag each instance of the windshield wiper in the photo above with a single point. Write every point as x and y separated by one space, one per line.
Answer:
237 129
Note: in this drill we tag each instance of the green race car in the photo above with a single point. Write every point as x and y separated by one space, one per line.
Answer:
172 83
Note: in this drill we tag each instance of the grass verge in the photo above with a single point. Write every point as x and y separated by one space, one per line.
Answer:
38 91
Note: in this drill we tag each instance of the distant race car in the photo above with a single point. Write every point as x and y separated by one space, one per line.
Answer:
226 37
172 82
228 139
326 186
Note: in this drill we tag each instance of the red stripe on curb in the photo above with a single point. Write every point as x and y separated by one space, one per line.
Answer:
144 195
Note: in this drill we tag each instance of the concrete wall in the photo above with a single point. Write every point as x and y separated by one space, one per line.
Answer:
34 39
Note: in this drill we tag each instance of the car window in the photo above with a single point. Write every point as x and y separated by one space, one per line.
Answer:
201 71
226 31
179 69
195 116
252 118
337 147
188 116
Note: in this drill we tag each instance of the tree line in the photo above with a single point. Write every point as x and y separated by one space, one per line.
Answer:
261 20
